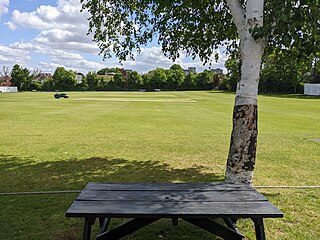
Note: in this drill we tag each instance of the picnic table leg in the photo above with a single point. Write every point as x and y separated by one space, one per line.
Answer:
215 228
104 224
231 223
88 222
259 228
174 221
126 228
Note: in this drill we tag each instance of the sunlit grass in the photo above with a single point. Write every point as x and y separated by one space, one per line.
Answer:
50 144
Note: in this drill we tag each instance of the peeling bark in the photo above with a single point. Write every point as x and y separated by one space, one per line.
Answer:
242 153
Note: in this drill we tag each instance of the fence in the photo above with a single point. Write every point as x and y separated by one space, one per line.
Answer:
312 89
8 89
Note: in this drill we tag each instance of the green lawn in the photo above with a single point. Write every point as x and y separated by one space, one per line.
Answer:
60 144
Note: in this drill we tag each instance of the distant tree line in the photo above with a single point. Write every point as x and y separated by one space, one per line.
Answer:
282 72
113 79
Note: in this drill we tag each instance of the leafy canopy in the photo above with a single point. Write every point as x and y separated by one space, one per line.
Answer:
63 79
122 26
197 27
20 77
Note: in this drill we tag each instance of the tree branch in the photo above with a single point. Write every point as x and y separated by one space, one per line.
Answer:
238 15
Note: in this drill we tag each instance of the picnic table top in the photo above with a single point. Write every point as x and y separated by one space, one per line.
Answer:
195 200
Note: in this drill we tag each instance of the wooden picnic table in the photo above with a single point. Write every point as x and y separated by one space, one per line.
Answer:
196 203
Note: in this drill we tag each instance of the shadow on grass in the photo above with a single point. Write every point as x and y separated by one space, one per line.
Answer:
43 216
25 175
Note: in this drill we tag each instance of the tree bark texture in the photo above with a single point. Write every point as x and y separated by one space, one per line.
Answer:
242 153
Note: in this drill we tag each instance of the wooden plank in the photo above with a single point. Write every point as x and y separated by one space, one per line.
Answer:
164 196
193 202
173 209
167 186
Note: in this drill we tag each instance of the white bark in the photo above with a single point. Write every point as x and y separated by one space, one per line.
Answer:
251 53
250 50
242 152
238 15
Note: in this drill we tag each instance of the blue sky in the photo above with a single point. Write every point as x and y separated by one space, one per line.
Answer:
46 34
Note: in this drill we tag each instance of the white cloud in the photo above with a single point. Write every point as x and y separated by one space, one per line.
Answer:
57 38
11 25
67 59
4 4
10 56
48 13
151 58
25 46
61 27
47 67
74 61
63 39
65 16
80 65
24 19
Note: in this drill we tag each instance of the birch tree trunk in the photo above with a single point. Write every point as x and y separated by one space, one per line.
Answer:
243 143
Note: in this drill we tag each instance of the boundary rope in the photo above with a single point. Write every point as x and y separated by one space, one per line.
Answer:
39 192
78 191
297 187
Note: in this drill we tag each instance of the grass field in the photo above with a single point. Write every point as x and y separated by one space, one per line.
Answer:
49 144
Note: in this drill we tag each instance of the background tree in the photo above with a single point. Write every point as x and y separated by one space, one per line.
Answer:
92 80
175 76
146 79
119 81
5 72
35 73
47 84
199 27
21 77
189 81
283 73
157 79
204 80
315 70
233 72
217 79
16 78
63 80
35 84
134 80
106 71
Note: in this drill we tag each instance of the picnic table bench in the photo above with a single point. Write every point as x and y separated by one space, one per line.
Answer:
196 203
